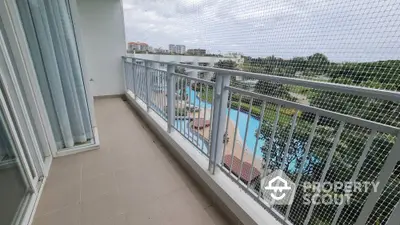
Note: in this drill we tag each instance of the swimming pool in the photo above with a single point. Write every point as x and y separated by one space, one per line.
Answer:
252 128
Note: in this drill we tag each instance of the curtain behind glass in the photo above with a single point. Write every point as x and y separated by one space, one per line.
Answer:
51 40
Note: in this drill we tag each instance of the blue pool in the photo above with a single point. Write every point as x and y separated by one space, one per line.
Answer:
253 123
252 128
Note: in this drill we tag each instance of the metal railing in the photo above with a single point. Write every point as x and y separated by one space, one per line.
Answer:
248 135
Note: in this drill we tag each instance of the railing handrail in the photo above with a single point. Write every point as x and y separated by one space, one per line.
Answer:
323 112
343 88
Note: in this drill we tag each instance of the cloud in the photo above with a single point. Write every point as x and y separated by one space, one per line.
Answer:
362 30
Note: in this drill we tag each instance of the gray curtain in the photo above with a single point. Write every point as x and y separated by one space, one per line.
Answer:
52 44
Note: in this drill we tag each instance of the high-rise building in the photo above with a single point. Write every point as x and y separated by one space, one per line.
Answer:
177 49
172 48
180 49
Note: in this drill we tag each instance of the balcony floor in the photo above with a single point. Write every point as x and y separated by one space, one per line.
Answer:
132 179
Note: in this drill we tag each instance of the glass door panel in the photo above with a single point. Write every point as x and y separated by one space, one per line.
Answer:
14 177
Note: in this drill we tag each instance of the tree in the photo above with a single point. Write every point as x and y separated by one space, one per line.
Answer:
353 139
273 89
226 64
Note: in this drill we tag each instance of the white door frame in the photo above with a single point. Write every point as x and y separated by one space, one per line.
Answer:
25 70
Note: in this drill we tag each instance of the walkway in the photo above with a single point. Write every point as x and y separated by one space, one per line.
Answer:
131 180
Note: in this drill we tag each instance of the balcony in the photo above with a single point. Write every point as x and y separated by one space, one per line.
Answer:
244 136
194 164
132 179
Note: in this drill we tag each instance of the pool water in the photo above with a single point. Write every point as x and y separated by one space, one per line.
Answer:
254 123
253 126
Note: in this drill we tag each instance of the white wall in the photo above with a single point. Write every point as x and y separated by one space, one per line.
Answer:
101 25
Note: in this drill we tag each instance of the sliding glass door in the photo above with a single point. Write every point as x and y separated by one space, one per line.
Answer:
16 175
21 160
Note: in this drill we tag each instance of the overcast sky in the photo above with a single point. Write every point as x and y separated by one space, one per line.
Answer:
344 30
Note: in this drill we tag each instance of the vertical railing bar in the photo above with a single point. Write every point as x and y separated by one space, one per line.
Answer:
141 85
357 170
173 96
211 121
218 130
326 167
152 91
156 91
180 104
138 78
270 144
286 150
221 102
198 114
152 100
303 160
194 109
169 79
205 118
126 76
227 126
257 139
190 108
162 94
153 76
245 138
185 105
383 178
134 78
148 82
235 133
134 81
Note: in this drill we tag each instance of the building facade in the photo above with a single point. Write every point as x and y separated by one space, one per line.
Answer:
180 49
177 49
197 51
138 46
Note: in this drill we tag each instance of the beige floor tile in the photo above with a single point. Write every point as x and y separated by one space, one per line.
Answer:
96 168
179 208
103 208
216 215
97 186
146 214
116 220
65 172
57 197
131 180
66 216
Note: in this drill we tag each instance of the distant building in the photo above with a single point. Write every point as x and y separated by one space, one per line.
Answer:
160 50
180 49
138 47
177 49
196 51
172 48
